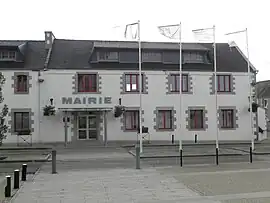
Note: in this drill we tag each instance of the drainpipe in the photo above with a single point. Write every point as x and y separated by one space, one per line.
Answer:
256 100
39 110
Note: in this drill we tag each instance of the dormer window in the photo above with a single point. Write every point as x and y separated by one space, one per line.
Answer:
154 57
111 56
194 57
7 55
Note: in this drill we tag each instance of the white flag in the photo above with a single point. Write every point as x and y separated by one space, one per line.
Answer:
204 35
170 31
131 31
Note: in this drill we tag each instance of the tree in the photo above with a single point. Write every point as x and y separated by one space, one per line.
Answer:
3 112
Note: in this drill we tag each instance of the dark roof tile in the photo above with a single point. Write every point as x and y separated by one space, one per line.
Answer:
70 54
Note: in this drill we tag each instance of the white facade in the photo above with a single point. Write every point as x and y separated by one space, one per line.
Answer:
59 83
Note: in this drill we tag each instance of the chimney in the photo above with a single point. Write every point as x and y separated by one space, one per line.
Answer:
49 38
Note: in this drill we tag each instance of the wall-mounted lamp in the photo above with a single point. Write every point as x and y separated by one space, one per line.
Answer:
51 101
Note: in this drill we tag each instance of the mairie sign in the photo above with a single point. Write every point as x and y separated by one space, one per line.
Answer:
86 100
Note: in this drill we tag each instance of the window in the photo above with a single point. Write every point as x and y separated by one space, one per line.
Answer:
164 119
151 57
196 119
22 83
193 57
132 83
7 55
265 103
224 83
22 121
227 118
175 84
108 56
131 119
87 82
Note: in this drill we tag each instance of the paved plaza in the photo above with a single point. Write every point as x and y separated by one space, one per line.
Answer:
110 176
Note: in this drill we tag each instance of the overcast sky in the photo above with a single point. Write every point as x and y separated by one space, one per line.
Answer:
95 19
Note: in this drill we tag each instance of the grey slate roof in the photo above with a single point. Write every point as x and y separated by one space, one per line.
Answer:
149 45
263 89
75 54
70 54
9 43
33 51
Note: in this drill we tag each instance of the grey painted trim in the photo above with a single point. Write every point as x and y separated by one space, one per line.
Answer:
235 117
100 128
190 84
15 79
75 129
105 130
11 122
156 118
212 84
255 125
123 82
75 83
123 120
205 118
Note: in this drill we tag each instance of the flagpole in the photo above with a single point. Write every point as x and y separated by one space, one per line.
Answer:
140 86
215 75
250 93
249 85
180 87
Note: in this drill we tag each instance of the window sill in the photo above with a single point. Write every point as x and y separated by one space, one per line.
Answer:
18 92
87 92
233 128
195 129
231 92
134 92
183 92
164 130
128 130
23 133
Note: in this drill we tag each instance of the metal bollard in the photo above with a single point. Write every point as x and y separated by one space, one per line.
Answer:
8 187
16 179
181 157
172 139
54 161
138 157
250 154
24 171
196 138
217 156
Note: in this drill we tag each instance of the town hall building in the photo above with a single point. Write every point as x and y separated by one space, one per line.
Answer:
85 90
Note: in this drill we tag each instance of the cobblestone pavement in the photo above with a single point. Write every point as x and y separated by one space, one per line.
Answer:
111 177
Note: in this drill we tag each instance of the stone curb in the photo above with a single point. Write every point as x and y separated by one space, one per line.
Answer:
25 148
26 160
190 155
254 153
192 144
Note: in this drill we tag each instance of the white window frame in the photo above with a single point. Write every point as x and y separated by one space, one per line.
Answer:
8 53
107 56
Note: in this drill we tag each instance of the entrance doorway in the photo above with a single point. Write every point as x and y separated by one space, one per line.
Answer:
87 127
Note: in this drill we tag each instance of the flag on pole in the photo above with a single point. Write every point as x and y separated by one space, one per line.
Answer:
174 32
204 35
170 31
131 31
207 35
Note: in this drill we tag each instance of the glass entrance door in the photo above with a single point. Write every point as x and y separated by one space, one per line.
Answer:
87 127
